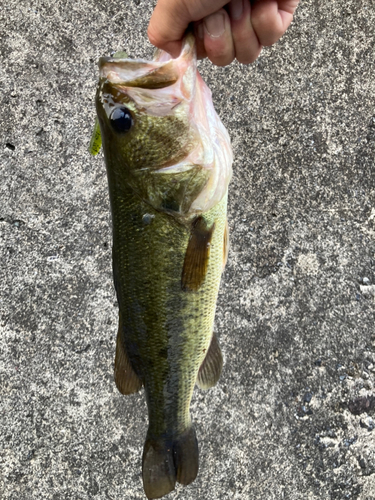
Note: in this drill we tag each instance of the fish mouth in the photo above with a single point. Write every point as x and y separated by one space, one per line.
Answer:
159 86
163 71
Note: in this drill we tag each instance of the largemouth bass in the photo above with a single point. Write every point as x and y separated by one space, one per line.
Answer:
168 159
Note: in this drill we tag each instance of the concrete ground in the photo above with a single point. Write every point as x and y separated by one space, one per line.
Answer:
293 414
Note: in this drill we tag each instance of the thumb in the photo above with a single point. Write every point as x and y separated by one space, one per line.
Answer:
171 18
168 24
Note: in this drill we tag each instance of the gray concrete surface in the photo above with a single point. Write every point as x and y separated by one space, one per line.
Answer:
292 417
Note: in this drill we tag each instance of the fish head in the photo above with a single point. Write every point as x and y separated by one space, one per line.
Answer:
160 132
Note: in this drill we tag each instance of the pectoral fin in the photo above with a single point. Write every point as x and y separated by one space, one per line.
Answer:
96 140
210 370
197 255
127 381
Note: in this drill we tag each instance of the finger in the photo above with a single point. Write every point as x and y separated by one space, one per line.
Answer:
171 18
217 38
246 43
271 18
199 40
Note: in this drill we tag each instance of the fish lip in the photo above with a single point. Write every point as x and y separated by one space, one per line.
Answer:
120 61
133 72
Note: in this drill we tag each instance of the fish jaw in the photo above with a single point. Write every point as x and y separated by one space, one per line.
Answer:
162 90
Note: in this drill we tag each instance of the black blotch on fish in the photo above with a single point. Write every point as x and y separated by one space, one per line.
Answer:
171 204
163 353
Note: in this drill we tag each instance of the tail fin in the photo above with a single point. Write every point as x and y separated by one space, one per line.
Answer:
186 456
167 461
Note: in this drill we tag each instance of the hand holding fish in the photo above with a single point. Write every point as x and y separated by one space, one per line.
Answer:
224 31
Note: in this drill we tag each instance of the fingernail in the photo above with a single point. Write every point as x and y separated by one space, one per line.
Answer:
236 9
200 31
215 24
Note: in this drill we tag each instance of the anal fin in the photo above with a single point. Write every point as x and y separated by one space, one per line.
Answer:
210 370
127 381
197 255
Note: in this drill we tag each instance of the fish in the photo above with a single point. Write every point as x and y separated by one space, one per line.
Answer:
169 163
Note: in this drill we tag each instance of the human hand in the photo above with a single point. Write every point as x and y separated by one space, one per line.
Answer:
239 30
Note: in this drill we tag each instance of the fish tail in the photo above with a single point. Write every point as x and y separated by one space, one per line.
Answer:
186 456
166 461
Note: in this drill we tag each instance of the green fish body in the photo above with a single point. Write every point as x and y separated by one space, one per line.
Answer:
168 179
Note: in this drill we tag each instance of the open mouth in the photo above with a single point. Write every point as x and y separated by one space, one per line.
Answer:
163 71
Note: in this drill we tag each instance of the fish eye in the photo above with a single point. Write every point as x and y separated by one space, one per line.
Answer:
121 119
